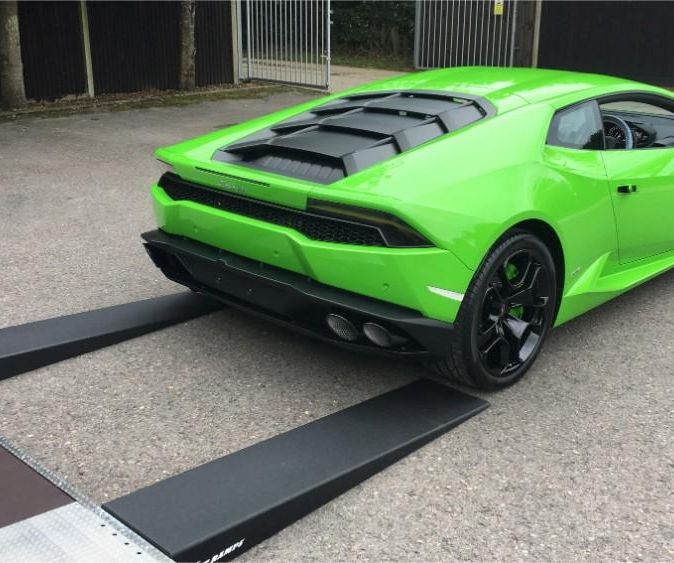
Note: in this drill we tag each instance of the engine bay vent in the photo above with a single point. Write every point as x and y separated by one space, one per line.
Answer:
352 133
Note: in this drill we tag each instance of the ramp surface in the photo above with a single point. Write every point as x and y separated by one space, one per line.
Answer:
43 519
33 345
220 509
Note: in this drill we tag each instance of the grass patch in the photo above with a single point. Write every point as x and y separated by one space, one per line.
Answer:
139 100
374 60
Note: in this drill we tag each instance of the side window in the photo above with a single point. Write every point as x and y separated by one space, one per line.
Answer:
637 107
638 121
577 127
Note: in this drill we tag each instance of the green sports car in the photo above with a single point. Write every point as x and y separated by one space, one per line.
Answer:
453 215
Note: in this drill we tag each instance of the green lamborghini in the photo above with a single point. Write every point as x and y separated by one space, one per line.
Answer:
453 215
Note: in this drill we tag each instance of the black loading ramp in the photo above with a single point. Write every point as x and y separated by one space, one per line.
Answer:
219 510
33 345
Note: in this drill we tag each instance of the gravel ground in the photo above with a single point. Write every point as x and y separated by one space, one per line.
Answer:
575 462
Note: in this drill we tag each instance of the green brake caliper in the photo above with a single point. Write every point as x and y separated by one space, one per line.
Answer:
512 272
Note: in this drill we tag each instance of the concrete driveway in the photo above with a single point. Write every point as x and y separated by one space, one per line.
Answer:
343 77
575 462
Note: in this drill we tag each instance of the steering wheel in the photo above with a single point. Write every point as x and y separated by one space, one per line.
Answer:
618 129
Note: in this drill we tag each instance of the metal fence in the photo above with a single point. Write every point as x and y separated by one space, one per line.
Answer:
285 41
464 32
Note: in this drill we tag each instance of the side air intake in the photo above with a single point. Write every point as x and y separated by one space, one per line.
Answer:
351 134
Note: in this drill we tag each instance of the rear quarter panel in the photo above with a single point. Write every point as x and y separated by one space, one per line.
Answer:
464 190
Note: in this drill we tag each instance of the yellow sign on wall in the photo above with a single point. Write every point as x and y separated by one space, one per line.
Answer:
498 7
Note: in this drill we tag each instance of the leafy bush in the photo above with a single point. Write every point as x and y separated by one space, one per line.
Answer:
373 28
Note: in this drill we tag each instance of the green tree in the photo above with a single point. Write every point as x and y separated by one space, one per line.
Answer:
374 28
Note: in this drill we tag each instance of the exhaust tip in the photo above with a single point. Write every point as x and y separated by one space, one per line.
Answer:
342 327
378 335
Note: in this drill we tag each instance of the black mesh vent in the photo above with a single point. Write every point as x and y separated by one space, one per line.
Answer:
351 134
313 226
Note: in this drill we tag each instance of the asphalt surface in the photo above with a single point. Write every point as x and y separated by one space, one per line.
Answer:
575 462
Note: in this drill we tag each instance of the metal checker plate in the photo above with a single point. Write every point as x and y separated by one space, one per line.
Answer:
79 531
71 534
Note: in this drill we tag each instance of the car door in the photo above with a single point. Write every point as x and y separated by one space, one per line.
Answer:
641 181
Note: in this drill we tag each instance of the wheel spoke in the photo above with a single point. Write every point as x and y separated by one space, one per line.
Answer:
527 270
494 294
487 337
517 332
506 289
527 295
497 354
528 346
516 328
520 265
506 354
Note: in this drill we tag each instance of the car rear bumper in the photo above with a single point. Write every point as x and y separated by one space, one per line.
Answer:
292 299
408 277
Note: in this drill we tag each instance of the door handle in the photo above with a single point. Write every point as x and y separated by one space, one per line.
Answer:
630 189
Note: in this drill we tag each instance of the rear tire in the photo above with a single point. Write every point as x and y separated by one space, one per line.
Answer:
505 315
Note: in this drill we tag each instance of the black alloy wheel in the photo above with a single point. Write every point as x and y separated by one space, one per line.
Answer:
514 312
505 315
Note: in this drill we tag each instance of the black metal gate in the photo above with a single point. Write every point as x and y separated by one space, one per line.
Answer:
285 41
464 32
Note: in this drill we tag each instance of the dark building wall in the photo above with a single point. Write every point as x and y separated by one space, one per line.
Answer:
631 39
51 49
213 37
134 46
